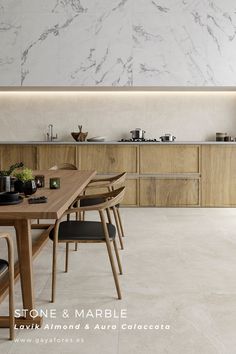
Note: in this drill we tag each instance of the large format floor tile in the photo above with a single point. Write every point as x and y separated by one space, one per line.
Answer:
179 275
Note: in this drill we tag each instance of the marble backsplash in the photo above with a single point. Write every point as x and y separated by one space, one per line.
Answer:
117 42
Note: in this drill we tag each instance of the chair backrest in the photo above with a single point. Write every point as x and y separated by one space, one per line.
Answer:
116 197
64 166
108 200
118 180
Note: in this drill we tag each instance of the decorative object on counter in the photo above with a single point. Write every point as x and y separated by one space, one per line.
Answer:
25 182
50 136
138 133
40 181
221 136
54 182
5 177
80 136
167 138
97 139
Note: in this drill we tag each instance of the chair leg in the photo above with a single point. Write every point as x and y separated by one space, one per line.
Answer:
120 222
118 227
113 270
117 256
108 244
11 293
54 265
77 217
67 257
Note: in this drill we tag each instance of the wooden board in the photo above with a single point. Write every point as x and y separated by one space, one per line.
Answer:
51 155
108 158
169 192
218 175
169 159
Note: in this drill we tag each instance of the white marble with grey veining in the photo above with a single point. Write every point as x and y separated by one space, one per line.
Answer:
118 42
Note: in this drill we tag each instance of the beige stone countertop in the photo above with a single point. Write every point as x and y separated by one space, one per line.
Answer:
117 143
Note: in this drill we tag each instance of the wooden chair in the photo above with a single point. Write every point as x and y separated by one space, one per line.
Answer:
109 183
64 166
81 231
4 266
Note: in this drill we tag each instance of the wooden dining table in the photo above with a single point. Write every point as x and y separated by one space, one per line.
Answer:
22 217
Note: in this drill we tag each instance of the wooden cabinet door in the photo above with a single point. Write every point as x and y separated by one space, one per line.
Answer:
108 158
219 175
165 159
169 192
51 155
11 154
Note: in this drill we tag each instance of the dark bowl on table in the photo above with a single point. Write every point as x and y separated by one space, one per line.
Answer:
9 197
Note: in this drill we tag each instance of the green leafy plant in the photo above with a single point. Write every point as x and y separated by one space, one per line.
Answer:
11 169
24 175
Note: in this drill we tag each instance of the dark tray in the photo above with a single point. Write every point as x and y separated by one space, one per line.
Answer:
8 202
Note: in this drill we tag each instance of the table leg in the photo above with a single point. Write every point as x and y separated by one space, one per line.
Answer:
24 246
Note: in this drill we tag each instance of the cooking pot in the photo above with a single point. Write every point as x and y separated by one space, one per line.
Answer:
167 137
138 133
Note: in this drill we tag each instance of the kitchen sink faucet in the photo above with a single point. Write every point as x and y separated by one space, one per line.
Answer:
50 136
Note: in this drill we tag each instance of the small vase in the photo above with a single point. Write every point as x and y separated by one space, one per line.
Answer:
19 186
29 188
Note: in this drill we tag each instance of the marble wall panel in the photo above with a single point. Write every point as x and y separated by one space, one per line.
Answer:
118 42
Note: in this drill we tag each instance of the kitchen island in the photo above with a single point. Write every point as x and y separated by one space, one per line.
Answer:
175 174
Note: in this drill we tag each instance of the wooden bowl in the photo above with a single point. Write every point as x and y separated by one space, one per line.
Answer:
75 135
79 136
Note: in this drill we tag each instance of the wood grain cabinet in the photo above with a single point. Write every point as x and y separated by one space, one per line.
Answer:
219 176
108 158
169 159
169 192
158 174
50 155
10 154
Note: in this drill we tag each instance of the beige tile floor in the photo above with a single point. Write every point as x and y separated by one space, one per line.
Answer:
179 271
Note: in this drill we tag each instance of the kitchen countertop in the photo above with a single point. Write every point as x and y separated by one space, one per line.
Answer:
117 143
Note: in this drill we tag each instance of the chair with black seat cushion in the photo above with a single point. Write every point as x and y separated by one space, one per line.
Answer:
109 183
81 231
4 267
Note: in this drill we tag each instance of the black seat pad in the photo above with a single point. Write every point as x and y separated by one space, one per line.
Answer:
3 266
92 201
83 230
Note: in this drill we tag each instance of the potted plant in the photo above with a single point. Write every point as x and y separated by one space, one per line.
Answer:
25 182
5 177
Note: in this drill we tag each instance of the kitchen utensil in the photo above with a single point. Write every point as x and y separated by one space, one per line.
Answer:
221 136
228 138
97 138
138 133
167 137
